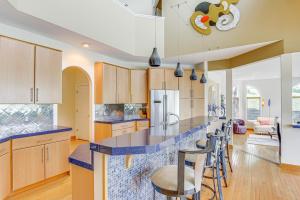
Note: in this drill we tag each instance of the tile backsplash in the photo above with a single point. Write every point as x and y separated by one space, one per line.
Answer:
120 110
25 116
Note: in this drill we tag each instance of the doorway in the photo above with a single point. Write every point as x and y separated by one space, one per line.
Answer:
75 110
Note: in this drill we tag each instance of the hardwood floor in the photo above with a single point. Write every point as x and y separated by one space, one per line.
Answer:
254 178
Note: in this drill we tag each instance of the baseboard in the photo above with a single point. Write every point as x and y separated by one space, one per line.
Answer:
289 167
73 137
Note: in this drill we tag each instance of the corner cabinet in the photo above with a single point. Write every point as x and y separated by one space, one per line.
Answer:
48 75
32 72
16 71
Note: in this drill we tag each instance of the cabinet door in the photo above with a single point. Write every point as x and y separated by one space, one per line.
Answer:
109 84
185 85
197 87
56 158
16 71
138 86
28 166
123 90
4 175
197 107
156 79
171 82
185 109
48 76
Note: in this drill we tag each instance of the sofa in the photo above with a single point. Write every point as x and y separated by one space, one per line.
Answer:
239 126
264 125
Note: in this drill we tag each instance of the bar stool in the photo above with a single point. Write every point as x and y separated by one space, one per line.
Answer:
213 161
180 180
226 128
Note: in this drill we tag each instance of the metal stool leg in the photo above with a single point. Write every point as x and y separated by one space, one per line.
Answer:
219 179
224 168
153 194
228 157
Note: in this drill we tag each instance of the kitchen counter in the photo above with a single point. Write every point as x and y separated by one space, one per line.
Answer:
150 140
83 157
116 120
10 133
296 125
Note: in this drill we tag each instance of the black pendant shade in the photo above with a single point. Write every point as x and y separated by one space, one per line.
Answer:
193 76
203 79
179 71
154 60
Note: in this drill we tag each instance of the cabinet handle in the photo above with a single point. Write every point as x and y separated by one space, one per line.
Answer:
47 151
37 95
31 94
42 155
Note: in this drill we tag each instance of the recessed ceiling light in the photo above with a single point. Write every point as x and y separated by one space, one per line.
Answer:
85 45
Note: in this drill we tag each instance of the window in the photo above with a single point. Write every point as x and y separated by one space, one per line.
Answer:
253 104
296 103
235 103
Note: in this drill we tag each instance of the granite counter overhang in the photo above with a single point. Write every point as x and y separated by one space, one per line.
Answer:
296 125
10 135
150 140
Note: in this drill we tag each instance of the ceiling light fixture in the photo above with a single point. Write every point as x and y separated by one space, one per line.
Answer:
179 71
193 76
203 79
154 60
85 45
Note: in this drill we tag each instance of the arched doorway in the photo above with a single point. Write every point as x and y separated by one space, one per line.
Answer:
75 110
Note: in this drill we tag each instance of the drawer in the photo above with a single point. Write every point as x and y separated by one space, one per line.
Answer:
142 123
39 140
123 125
140 128
123 131
4 148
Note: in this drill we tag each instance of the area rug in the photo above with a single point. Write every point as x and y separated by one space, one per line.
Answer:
262 140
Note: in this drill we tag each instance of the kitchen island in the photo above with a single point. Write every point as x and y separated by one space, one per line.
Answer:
122 165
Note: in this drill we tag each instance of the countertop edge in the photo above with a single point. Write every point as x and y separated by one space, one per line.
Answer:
31 134
119 121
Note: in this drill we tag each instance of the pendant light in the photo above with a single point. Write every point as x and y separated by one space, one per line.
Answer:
154 60
203 79
179 71
193 76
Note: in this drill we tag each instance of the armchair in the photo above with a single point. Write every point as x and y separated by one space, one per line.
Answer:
239 126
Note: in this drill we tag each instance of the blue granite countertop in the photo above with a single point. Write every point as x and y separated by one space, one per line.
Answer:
9 133
296 125
115 120
83 157
150 140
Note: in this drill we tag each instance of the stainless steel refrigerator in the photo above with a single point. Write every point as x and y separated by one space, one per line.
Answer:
164 107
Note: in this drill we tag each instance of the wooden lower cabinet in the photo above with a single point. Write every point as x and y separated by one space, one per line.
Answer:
28 166
5 175
56 155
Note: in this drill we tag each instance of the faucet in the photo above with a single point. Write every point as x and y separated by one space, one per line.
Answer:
172 114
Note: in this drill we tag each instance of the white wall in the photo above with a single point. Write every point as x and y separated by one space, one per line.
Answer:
105 21
268 89
144 7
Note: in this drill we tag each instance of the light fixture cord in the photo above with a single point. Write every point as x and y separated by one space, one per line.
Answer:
178 34
155 27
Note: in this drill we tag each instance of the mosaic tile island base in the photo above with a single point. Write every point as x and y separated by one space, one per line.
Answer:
128 161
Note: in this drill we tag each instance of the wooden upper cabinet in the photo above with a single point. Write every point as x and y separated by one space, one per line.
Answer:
56 158
185 109
156 79
197 107
171 82
48 75
138 86
105 83
123 90
185 85
197 87
16 71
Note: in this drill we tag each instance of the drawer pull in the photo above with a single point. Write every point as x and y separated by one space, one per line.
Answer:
44 141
